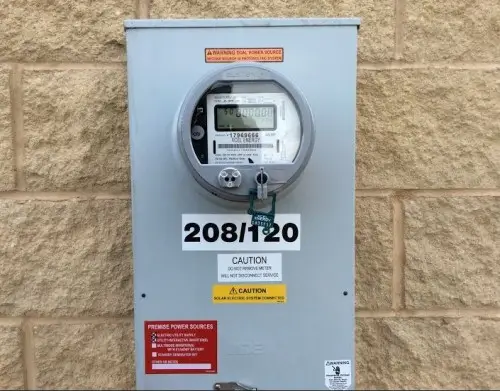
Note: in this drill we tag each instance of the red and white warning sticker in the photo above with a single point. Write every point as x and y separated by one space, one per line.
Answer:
180 346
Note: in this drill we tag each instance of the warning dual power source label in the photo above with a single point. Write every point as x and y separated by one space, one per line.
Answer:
180 347
221 55
249 294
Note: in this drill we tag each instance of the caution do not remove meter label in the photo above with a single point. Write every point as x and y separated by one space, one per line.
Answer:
249 267
234 232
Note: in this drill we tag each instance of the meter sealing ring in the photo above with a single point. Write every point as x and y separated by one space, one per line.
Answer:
245 78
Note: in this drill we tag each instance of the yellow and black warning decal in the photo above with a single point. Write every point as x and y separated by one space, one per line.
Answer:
224 55
249 294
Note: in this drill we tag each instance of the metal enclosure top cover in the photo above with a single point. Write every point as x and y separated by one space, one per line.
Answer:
246 118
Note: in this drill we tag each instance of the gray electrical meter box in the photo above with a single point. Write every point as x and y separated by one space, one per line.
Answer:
242 137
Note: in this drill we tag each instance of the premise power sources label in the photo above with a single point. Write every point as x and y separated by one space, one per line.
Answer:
338 374
249 267
180 346
234 232
224 55
249 294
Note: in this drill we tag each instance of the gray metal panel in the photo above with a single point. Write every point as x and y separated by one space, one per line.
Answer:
317 322
245 22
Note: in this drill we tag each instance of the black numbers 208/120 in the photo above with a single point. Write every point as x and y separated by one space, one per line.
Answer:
230 232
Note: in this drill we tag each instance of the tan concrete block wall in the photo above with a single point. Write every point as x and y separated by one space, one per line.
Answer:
427 206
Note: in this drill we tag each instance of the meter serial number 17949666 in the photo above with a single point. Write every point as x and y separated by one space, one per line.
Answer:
245 134
244 137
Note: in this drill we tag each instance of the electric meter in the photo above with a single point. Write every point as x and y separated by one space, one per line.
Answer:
245 129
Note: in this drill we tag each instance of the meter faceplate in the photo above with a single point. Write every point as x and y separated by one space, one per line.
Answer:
247 123
245 117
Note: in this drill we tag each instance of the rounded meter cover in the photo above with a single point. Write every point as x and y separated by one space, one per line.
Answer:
242 125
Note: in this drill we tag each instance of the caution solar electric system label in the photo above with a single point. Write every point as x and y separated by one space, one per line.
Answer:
249 294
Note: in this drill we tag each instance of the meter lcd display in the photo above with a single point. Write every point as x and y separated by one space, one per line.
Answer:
245 117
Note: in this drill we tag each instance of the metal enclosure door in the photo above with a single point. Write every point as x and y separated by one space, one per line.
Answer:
268 346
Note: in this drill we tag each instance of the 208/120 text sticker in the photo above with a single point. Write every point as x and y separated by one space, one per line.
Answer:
230 232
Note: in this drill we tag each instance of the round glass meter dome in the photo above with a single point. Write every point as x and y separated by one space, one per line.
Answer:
246 119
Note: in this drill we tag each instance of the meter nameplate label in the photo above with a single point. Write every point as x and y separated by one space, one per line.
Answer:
249 267
225 55
260 128
166 350
249 294
234 232
338 374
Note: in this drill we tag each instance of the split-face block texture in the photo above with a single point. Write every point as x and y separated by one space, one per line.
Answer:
61 30
374 240
452 252
76 130
11 358
65 258
6 135
85 356
66 264
427 354
451 31
431 129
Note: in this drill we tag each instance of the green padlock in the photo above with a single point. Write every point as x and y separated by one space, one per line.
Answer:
262 219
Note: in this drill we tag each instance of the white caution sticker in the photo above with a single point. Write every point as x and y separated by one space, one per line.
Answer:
338 374
234 232
249 267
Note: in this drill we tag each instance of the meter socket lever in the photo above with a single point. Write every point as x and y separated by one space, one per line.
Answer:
262 178
236 386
